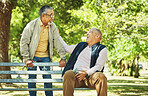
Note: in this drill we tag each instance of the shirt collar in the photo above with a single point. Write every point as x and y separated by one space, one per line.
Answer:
95 45
41 24
50 23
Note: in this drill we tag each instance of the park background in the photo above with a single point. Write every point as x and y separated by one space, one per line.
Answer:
124 24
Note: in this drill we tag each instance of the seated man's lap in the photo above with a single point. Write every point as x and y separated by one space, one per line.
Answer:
94 79
89 82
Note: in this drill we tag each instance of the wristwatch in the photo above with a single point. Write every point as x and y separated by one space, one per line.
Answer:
86 76
63 58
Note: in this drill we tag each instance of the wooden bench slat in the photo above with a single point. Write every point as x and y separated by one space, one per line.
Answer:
34 64
40 89
30 72
30 80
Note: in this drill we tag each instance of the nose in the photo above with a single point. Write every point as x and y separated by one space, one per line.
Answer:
52 17
87 33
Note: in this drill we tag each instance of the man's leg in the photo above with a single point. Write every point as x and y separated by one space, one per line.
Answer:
70 82
46 85
31 76
98 81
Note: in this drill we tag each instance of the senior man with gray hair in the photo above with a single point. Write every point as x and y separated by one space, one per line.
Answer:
85 65
37 42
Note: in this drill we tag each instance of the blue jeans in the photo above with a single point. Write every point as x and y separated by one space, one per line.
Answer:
32 76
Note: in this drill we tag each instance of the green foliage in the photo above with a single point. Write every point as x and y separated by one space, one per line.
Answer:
123 24
16 28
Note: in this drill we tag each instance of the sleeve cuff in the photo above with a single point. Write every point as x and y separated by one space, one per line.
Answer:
86 75
25 58
88 72
63 57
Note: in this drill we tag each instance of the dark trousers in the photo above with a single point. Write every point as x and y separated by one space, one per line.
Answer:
32 76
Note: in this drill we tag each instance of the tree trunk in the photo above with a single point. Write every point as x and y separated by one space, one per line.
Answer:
137 68
132 67
5 17
120 64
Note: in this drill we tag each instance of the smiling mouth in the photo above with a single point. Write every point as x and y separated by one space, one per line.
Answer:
86 37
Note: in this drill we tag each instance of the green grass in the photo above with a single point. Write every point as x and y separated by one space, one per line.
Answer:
117 86
128 86
144 80
128 89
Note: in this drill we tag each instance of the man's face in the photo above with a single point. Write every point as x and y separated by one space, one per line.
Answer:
49 16
90 36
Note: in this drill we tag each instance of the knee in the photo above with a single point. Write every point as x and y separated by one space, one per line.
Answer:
100 76
69 74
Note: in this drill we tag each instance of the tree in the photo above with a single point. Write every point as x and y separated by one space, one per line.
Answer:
5 17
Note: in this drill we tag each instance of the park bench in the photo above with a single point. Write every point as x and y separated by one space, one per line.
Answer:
19 73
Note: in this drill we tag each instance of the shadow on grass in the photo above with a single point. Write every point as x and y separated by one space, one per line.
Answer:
9 92
127 81
129 87
124 89
20 94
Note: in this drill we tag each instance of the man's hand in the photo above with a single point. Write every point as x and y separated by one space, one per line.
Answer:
62 63
29 63
81 75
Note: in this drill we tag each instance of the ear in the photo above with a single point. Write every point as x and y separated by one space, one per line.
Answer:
97 36
43 15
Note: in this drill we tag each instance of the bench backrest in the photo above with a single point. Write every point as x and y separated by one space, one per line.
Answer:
26 80
17 72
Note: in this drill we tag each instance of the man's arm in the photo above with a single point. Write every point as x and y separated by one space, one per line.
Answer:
24 43
59 46
99 65
24 46
68 48
57 43
100 62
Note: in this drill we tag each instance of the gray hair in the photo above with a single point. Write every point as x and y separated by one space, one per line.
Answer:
43 10
98 32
